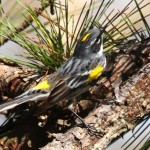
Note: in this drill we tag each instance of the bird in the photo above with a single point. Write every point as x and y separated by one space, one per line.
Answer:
71 79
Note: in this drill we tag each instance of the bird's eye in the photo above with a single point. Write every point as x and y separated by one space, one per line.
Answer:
98 40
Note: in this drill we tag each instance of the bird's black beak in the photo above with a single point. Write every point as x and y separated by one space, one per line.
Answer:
102 31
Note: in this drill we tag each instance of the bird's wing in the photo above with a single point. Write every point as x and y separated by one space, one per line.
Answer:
67 88
64 87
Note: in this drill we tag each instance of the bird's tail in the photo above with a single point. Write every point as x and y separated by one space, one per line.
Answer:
21 100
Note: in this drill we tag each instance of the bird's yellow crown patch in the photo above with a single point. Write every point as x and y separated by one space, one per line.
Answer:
96 72
85 37
43 85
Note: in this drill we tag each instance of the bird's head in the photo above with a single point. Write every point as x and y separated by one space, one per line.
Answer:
90 43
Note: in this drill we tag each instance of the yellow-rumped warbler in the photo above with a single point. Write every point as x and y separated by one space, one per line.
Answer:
71 79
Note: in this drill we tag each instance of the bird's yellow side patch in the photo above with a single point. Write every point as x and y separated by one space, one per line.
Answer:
85 37
96 72
43 85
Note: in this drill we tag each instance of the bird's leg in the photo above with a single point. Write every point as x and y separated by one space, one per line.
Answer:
90 128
